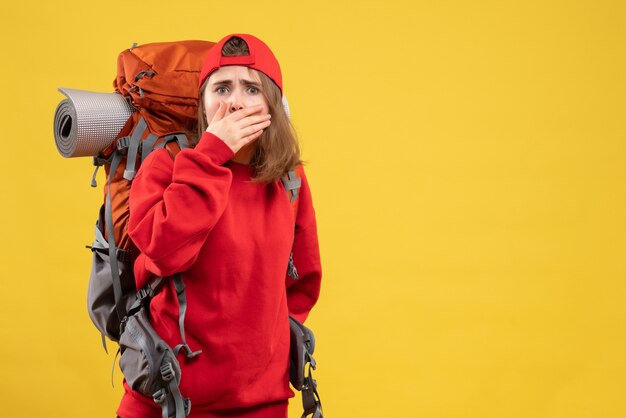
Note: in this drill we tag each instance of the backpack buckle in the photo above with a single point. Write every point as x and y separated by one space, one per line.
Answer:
309 359
136 87
99 161
144 73
144 293
159 396
167 371
123 143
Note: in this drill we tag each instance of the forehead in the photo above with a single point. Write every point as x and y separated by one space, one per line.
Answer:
234 72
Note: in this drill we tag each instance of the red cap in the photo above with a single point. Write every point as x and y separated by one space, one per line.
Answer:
261 59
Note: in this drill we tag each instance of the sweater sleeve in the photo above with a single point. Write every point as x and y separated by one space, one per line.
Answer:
174 204
303 293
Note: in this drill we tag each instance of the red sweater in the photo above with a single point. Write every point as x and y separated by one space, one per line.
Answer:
201 214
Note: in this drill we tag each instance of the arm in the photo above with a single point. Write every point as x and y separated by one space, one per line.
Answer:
174 204
304 292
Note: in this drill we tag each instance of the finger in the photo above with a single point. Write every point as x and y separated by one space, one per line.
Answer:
252 120
257 126
246 111
252 129
219 114
252 137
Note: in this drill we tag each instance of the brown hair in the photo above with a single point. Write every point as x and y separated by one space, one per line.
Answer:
277 148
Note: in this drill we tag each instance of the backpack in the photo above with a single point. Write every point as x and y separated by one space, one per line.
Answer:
160 82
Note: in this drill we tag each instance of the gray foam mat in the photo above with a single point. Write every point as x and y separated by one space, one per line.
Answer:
87 122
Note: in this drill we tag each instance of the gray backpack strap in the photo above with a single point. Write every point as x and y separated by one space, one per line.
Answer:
133 149
291 269
169 398
182 309
117 286
292 184
311 402
179 138
101 244
167 372
144 294
147 145
301 367
98 162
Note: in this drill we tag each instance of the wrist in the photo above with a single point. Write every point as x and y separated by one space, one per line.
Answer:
215 148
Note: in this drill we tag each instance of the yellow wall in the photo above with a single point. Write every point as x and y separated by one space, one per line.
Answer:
467 160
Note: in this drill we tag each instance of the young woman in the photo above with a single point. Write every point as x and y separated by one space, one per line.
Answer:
220 215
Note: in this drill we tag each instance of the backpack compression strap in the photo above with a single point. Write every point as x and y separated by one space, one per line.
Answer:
182 308
169 398
146 293
108 214
311 401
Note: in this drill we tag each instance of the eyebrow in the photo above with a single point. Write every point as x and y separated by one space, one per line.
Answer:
244 82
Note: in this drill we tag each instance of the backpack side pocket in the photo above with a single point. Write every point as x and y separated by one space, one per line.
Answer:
150 366
100 296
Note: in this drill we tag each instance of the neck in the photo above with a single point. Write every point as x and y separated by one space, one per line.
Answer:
245 154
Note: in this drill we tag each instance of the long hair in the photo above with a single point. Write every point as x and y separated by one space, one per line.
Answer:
277 149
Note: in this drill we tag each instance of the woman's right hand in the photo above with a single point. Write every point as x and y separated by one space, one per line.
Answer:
240 127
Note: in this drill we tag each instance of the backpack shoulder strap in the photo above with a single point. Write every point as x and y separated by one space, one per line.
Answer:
292 181
174 143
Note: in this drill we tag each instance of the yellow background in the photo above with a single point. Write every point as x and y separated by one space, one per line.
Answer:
467 162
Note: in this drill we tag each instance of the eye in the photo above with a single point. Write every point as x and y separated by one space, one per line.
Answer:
253 90
221 90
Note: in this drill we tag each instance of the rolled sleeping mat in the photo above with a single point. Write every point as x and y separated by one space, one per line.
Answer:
87 122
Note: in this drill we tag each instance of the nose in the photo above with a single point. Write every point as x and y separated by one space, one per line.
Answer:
234 107
234 102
